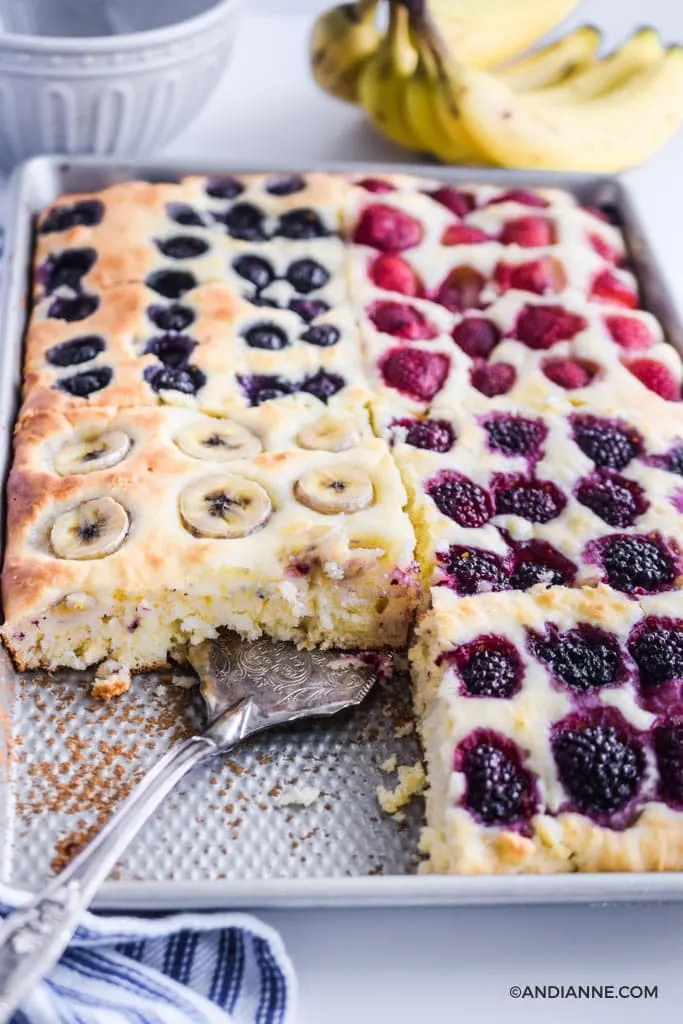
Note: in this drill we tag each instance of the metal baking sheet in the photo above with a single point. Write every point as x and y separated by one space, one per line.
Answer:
226 837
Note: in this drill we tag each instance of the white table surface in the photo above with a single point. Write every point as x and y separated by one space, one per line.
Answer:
446 965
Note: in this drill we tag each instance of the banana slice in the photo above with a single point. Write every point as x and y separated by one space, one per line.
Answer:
224 506
218 441
330 434
91 530
93 453
335 489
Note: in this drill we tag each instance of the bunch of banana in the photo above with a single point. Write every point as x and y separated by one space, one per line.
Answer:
607 117
482 32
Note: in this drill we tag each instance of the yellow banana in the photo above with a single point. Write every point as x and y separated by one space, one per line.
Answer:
484 33
643 48
555 63
384 78
608 133
341 42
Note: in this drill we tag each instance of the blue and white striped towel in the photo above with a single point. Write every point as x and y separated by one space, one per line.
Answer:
184 969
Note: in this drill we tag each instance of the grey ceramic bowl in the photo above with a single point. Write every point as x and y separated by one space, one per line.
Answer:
126 94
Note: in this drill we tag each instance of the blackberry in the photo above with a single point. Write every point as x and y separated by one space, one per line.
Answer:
432 435
460 499
538 501
613 498
473 571
600 764
668 744
656 646
610 444
489 667
635 563
515 435
585 658
498 789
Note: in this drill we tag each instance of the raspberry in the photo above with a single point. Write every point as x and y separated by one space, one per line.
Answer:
538 501
463 234
656 646
473 571
375 185
599 760
538 562
489 667
393 274
604 249
461 290
415 372
616 500
668 744
433 435
388 229
402 321
543 326
636 563
657 377
570 373
537 276
629 333
529 232
459 203
607 287
460 499
608 443
515 435
584 658
493 379
499 790
521 196
476 337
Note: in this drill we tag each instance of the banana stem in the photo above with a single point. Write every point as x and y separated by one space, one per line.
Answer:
364 10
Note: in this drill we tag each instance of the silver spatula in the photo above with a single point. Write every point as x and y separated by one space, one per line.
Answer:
247 687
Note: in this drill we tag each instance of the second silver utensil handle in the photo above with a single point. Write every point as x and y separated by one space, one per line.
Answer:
33 938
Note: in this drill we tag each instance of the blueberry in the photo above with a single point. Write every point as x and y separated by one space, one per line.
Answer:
246 222
67 269
308 309
585 658
264 301
498 788
674 460
182 247
515 435
668 744
224 188
83 384
307 276
608 443
255 270
301 224
186 379
170 319
267 336
172 284
262 387
538 501
473 571
78 308
460 499
599 762
78 350
539 562
323 384
489 667
86 213
171 349
286 186
323 335
432 435
656 646
186 215
634 563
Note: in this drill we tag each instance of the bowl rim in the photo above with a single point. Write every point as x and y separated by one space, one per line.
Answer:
125 41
